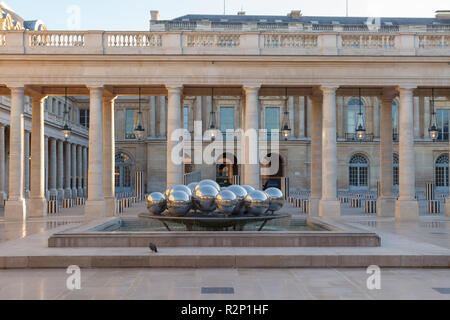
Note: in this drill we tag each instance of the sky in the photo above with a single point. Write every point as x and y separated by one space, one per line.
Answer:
135 14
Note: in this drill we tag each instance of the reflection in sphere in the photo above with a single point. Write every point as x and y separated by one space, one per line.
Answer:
192 186
249 188
226 202
167 192
240 193
257 203
276 199
182 188
205 198
156 203
179 203
208 183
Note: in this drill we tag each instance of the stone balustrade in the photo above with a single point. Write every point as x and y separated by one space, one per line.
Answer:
230 43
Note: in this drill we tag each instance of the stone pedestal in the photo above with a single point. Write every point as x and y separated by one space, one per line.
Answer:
330 209
406 210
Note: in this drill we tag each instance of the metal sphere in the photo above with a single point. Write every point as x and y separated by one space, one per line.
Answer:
156 203
205 198
182 188
179 203
208 183
276 199
249 189
192 186
167 192
257 203
226 202
240 193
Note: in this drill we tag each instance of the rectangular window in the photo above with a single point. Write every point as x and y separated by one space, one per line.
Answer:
186 118
442 117
272 120
84 117
226 120
130 123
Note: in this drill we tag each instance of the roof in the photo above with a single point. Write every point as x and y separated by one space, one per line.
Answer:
309 19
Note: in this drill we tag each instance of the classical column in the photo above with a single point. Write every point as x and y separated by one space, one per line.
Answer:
79 172
108 156
26 167
2 164
53 168
152 117
340 118
173 165
60 182
301 116
37 203
46 166
316 155
416 105
85 171
162 117
406 207
329 205
67 171
252 171
386 200
95 204
15 208
376 117
426 118
74 171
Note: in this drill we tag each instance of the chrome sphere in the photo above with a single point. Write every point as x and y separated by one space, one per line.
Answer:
226 202
167 192
182 188
257 203
240 193
205 198
249 189
156 203
276 199
179 203
192 186
208 183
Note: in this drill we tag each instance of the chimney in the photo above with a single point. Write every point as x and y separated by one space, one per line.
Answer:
241 13
295 14
443 14
154 15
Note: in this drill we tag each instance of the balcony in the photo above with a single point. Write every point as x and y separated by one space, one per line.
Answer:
228 42
351 137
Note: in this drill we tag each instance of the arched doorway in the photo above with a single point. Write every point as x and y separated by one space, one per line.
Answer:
358 173
226 168
272 171
124 173
441 172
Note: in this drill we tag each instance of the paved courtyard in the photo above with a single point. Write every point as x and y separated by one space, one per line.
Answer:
430 234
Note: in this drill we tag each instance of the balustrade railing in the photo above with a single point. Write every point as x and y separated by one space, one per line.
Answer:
231 42
56 39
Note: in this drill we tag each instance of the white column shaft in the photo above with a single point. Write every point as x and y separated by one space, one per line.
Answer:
252 171
174 169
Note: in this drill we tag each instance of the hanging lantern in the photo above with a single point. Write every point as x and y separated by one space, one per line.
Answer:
360 124
139 131
433 128
66 130
286 130
212 119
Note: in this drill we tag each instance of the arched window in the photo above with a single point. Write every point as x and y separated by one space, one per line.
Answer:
395 171
395 119
359 172
123 173
352 114
441 171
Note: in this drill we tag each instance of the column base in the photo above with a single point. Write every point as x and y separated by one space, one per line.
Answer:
37 207
94 209
80 193
53 193
330 209
313 210
110 206
60 194
386 207
406 210
67 193
74 193
15 210
447 207
3 198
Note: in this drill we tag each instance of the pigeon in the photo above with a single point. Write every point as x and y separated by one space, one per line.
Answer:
153 247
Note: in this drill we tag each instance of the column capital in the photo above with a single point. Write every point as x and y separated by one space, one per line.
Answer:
18 88
388 94
38 98
174 87
248 87
95 86
109 99
407 87
329 88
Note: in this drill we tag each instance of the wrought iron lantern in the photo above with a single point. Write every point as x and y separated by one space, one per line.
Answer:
286 129
66 130
212 119
139 130
360 124
433 128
